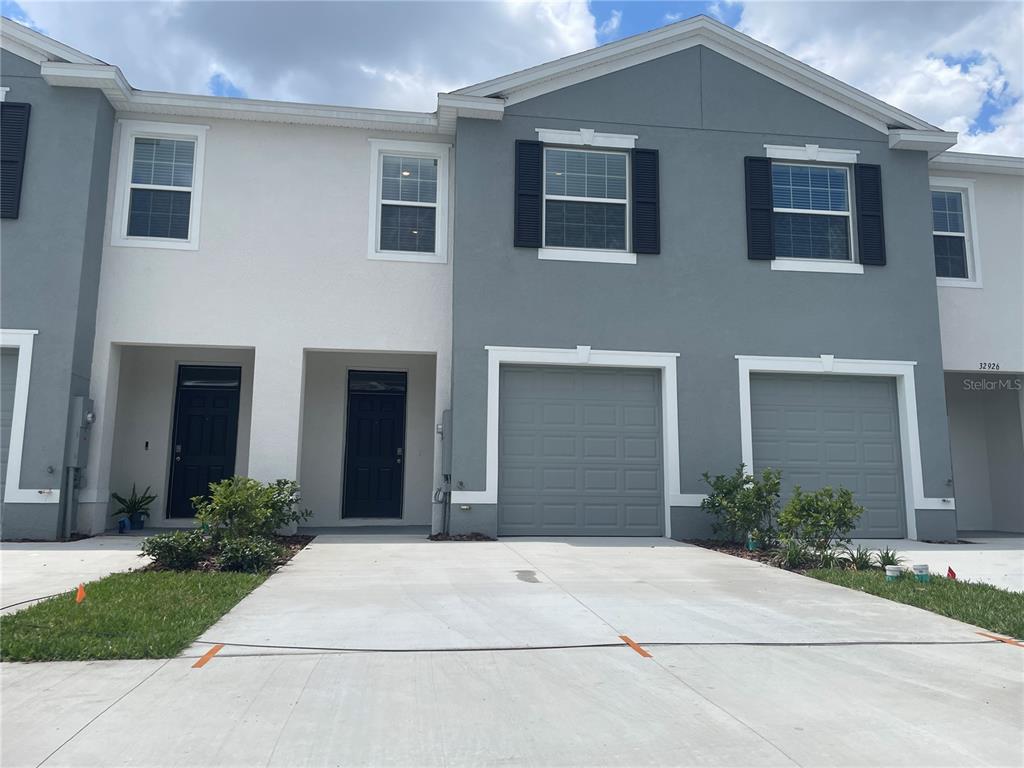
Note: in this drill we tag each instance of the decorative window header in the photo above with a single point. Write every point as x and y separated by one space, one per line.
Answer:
587 137
812 153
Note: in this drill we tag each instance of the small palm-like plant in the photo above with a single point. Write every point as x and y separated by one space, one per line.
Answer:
860 559
135 507
889 557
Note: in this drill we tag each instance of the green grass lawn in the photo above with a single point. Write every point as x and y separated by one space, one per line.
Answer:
983 605
135 615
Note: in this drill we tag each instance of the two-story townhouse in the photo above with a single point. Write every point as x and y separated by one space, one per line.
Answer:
54 160
978 232
683 251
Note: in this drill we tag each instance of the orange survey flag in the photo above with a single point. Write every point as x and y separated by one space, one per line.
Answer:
80 596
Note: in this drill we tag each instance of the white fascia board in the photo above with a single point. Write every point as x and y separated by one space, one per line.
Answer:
932 141
482 107
36 47
103 77
685 34
969 162
811 153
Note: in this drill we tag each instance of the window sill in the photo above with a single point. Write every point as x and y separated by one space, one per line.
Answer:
408 256
574 254
167 244
817 265
957 282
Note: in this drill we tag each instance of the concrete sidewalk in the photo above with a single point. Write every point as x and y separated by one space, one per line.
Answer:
993 560
34 569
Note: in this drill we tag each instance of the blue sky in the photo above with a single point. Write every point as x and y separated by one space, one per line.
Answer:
959 65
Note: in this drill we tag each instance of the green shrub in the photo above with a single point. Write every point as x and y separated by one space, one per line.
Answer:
179 551
252 554
243 507
742 505
819 518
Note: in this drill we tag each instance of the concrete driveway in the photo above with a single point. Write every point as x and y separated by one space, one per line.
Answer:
35 569
747 665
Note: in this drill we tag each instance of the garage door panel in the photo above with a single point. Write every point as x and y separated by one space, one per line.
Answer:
835 431
582 455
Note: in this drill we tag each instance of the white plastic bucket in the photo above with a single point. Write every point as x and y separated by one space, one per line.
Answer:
921 572
892 572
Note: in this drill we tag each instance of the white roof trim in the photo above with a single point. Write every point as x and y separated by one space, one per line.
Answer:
31 45
978 163
933 141
700 30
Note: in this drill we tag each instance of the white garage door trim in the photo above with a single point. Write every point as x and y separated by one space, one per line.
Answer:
906 397
665 362
13 492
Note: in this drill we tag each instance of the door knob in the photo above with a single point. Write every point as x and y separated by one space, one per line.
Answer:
398 456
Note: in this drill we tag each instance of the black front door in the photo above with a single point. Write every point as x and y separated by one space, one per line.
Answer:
205 433
374 444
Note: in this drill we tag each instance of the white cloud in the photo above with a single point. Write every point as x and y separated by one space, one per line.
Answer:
610 25
941 61
395 54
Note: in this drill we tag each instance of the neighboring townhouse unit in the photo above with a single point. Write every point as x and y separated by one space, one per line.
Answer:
54 156
978 230
681 251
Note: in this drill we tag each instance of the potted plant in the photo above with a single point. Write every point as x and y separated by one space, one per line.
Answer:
135 508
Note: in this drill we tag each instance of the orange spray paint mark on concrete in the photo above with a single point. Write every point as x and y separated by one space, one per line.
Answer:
205 658
1007 640
634 646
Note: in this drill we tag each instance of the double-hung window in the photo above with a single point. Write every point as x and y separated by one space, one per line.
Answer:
408 213
949 234
811 212
585 199
157 201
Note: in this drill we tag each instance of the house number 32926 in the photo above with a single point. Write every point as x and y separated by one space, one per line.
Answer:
988 366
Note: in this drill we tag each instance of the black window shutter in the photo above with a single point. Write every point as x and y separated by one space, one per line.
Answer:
645 223
760 234
13 138
529 194
867 180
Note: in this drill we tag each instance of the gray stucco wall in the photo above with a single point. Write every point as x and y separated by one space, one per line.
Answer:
701 296
49 273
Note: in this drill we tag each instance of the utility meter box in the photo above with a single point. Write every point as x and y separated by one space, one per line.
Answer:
79 426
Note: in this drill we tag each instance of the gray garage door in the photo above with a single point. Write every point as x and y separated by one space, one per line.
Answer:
837 431
580 452
8 372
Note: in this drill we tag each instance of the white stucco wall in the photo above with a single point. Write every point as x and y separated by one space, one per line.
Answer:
986 324
281 267
323 435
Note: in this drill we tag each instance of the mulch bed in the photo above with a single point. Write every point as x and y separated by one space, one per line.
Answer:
459 537
734 549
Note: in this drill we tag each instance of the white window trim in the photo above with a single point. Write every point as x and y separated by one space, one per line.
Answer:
817 265
906 396
423 149
812 153
665 362
130 130
590 255
789 264
587 137
3 92
966 188
22 340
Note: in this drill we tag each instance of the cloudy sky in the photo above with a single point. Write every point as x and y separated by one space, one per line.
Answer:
959 65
